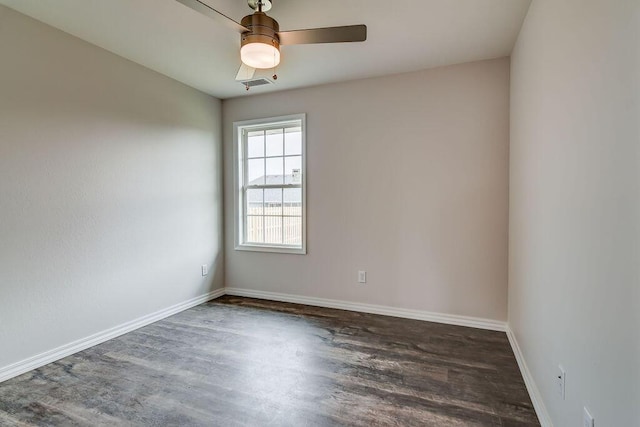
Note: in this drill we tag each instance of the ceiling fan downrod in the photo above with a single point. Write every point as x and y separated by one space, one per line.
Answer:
260 5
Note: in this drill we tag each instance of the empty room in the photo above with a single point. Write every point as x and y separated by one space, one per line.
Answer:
336 213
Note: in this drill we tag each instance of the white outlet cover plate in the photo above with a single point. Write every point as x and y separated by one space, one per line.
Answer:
561 381
587 419
362 276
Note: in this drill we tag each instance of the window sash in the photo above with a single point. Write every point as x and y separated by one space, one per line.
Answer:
263 215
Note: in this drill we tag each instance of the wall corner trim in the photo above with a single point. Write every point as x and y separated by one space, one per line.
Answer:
450 319
50 356
534 392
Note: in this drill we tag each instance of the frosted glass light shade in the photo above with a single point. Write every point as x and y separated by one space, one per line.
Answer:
260 55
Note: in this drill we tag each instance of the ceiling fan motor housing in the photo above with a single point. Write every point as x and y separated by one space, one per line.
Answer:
264 29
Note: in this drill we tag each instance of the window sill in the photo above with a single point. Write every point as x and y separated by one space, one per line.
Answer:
272 249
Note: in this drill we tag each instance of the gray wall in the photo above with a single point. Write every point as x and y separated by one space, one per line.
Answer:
407 178
110 190
574 206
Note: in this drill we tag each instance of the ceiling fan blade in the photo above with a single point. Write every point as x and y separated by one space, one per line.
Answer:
245 72
350 33
207 10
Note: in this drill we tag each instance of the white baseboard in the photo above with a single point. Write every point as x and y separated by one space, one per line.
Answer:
450 319
42 359
534 392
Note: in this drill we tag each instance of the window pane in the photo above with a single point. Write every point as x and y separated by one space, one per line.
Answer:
256 172
274 142
254 201
292 170
274 171
255 144
273 201
292 231
292 141
273 229
293 201
255 229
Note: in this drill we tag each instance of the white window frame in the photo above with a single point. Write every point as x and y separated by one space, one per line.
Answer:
239 176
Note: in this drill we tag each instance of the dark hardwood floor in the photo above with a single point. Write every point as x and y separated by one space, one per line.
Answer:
245 362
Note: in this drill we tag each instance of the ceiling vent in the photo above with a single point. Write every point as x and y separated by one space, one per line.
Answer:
256 82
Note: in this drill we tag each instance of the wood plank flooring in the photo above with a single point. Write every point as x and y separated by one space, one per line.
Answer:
246 362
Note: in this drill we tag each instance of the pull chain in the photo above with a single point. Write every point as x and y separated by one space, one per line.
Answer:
275 76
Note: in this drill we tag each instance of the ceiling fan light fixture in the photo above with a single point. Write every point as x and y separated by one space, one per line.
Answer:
260 55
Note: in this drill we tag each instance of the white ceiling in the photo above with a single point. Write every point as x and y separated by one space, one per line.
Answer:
403 35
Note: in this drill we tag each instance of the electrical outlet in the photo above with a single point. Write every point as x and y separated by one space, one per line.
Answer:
362 276
561 378
587 419
205 270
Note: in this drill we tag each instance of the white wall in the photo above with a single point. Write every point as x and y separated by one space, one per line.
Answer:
110 190
574 206
407 179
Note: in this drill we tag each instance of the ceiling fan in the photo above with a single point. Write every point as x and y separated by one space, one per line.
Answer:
261 38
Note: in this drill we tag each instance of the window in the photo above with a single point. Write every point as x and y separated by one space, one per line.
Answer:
270 190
